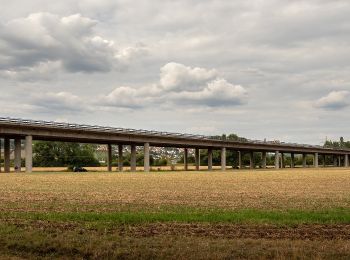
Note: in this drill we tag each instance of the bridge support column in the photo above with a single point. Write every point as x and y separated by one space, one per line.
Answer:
251 160
277 160
316 160
240 159
282 160
335 161
120 157
339 161
197 158
7 155
263 162
29 153
304 160
133 158
146 157
223 158
186 159
346 160
292 160
324 161
0 154
109 157
18 155
210 159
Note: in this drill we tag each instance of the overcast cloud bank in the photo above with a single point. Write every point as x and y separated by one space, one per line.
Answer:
271 69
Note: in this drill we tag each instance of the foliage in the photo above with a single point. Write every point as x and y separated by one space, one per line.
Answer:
334 144
58 154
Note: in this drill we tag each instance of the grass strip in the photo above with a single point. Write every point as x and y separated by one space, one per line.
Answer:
246 216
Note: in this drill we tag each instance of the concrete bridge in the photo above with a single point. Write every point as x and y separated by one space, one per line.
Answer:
29 130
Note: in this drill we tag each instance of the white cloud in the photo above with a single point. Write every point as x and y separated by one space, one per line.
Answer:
70 40
179 85
175 76
334 100
217 93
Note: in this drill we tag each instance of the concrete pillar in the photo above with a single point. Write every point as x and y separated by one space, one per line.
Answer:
292 160
186 159
223 158
346 160
210 159
197 158
282 160
29 153
133 158
277 160
316 160
335 161
324 160
240 159
109 157
18 155
120 157
0 155
146 157
263 162
304 160
251 160
7 155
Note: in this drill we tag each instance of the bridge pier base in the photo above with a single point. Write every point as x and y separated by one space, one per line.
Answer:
223 158
146 157
29 153
133 158
277 160
6 155
120 157
18 155
210 159
346 160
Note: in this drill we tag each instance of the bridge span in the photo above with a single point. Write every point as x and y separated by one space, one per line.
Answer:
29 130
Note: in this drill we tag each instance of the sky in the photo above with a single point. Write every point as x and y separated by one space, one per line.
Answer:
271 69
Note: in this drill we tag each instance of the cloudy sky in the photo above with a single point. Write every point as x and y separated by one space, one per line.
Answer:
269 69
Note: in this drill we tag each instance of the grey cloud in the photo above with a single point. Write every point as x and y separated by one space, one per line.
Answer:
283 53
59 103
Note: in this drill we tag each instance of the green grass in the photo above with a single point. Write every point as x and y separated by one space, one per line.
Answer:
246 216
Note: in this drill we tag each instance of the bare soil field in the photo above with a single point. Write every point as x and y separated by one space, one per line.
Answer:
264 214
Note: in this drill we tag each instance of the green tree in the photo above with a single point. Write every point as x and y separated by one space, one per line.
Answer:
59 154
